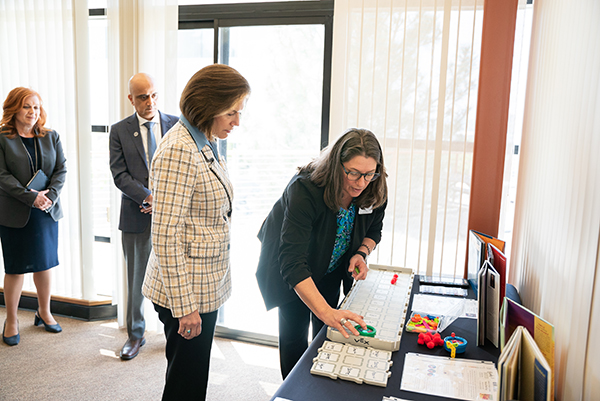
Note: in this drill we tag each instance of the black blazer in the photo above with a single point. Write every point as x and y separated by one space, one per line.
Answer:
297 240
130 170
16 201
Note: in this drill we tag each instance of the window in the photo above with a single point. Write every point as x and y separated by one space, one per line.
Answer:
286 60
103 187
515 120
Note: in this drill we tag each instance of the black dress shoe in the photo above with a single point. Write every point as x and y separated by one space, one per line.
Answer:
12 340
132 348
52 328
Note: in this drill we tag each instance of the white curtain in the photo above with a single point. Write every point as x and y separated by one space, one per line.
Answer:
557 220
408 70
38 49
142 38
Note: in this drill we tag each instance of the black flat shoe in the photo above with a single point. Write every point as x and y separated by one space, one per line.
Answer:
13 340
52 328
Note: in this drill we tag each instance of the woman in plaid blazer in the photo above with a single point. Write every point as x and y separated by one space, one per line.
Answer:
188 276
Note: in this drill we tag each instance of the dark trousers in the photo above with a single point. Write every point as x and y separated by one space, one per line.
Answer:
188 361
294 320
136 249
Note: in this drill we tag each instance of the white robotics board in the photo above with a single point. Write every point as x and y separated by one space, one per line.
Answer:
383 301
382 298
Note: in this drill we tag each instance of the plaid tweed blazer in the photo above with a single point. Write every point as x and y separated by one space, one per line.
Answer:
188 269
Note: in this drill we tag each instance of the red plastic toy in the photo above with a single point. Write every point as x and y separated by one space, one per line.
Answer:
430 340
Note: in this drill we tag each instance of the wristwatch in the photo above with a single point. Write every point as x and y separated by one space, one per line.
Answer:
361 253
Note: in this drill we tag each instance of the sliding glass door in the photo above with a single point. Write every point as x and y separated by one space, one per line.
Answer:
286 63
280 131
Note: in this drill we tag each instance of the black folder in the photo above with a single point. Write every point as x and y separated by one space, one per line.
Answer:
39 181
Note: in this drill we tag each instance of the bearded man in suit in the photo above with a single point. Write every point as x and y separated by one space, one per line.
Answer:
133 141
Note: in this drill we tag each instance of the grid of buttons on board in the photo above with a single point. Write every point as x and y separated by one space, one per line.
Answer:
357 364
382 303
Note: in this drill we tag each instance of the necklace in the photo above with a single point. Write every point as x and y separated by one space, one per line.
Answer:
33 168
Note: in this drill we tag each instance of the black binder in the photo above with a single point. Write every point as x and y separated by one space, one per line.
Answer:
39 181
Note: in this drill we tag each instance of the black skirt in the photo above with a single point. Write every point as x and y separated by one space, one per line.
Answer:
33 248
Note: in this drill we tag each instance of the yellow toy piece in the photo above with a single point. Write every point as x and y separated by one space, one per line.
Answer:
452 348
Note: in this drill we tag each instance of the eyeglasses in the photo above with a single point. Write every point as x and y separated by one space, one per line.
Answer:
355 175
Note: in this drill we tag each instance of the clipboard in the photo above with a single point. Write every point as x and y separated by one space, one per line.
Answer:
39 181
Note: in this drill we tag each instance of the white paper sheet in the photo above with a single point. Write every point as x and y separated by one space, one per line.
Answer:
437 305
464 379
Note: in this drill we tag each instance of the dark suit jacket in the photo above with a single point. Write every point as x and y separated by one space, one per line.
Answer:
298 237
130 171
16 201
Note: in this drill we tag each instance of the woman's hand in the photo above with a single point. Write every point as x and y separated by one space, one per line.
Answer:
190 326
41 201
357 262
344 319
338 319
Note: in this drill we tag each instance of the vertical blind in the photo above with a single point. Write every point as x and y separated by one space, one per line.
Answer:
554 261
408 71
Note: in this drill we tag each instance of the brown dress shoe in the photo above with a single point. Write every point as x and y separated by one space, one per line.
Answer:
132 348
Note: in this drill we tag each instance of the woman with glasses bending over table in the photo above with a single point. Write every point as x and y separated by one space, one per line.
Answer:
28 217
317 236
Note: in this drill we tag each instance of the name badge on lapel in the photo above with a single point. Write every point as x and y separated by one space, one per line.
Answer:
368 210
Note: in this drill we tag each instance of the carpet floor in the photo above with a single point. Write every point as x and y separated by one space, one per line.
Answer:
82 363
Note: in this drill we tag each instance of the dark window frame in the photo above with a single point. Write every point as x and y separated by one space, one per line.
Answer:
277 13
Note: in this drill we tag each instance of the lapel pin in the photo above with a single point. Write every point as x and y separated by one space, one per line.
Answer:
135 134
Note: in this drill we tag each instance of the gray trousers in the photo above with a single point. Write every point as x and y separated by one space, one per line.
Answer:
136 248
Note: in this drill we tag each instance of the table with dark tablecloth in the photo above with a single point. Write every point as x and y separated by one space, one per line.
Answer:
301 385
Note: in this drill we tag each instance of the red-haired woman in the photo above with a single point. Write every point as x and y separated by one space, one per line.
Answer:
29 212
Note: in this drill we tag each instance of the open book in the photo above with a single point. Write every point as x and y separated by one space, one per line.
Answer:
513 316
523 372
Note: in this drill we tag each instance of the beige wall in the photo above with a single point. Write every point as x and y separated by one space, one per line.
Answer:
554 262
